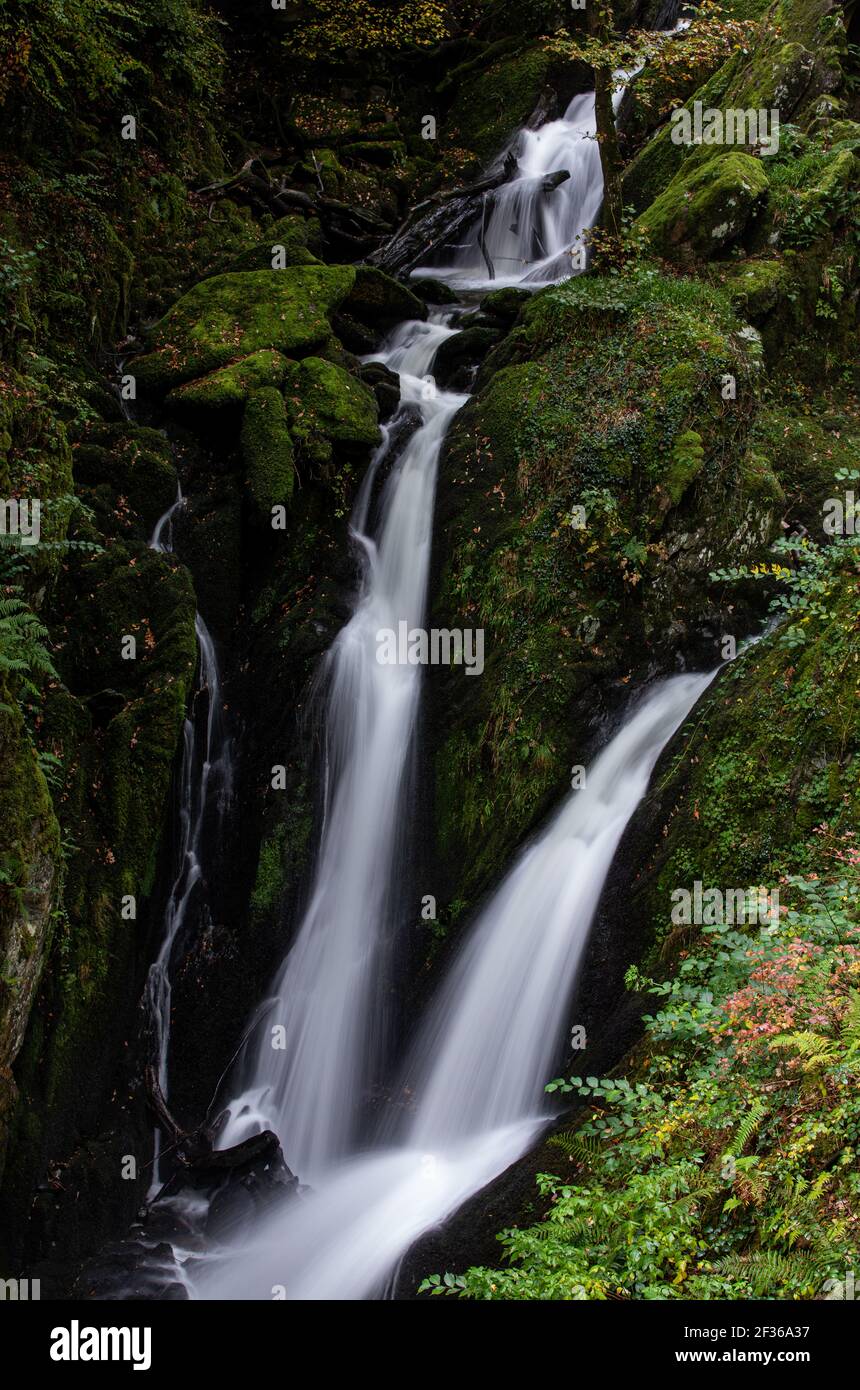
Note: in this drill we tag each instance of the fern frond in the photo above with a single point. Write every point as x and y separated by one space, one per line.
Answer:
769 1271
749 1124
850 1027
584 1148
816 1049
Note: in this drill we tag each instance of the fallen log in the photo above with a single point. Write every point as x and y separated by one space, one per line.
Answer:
355 226
195 1148
440 220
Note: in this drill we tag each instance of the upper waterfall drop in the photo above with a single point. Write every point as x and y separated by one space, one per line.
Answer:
531 236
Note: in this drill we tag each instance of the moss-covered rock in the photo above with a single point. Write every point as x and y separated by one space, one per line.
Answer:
805 446
495 98
794 61
232 385
35 463
327 406
756 286
707 208
113 726
799 285
457 355
379 300
126 472
776 753
288 241
30 871
229 317
587 491
267 450
383 153
505 304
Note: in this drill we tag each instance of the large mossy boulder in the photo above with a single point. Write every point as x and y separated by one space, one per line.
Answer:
267 450
794 60
799 285
379 300
326 407
706 207
232 385
229 317
587 491
289 241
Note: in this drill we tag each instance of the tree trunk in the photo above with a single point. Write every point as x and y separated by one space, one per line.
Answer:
600 27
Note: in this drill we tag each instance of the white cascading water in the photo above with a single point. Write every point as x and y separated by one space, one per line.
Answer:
205 785
329 996
483 1056
529 234
480 1064
327 1005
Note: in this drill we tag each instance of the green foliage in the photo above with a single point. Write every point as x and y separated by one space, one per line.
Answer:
662 1200
807 584
66 54
24 657
814 191
605 397
329 28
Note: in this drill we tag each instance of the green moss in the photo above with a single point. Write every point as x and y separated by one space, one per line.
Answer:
267 450
126 473
795 59
377 299
36 462
269 882
291 235
813 191
654 167
232 316
505 304
706 208
805 449
383 153
495 101
30 865
327 406
606 396
755 287
776 752
231 386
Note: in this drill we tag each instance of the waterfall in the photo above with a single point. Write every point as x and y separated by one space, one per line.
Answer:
329 998
204 789
531 236
482 1058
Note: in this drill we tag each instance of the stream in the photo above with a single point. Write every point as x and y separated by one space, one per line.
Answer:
316 1045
